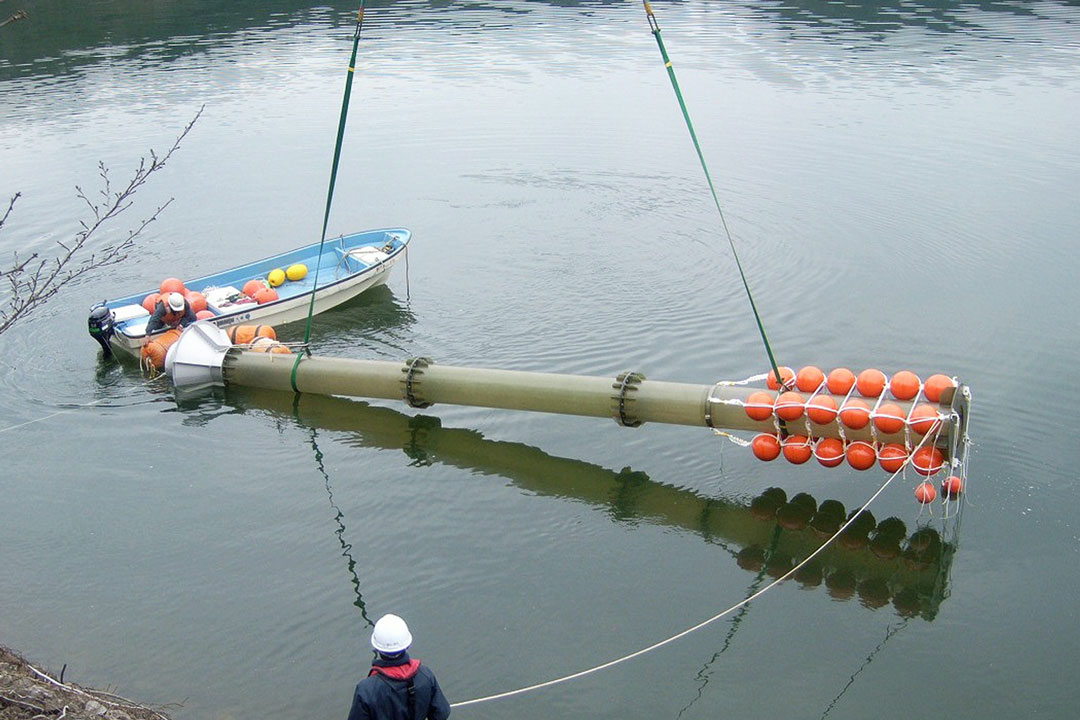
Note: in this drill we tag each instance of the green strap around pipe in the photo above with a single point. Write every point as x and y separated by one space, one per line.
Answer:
701 157
333 179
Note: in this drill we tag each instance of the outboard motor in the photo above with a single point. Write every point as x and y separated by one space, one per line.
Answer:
101 327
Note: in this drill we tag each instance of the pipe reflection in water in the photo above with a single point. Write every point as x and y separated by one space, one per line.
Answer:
877 562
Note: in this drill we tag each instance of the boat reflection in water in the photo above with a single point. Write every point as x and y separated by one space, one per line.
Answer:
880 563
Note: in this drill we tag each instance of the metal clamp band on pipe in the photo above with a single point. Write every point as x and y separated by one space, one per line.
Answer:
413 367
708 406
626 381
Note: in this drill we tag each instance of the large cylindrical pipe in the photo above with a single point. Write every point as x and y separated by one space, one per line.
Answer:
629 398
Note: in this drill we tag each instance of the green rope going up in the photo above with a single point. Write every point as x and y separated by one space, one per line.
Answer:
701 157
330 191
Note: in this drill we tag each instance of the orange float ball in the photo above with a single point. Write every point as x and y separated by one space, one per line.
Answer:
927 460
171 285
266 295
821 409
265 344
925 493
952 486
870 383
904 385
860 455
829 452
797 449
840 381
204 314
765 447
855 414
924 419
936 385
244 334
153 353
253 286
150 301
196 300
889 418
789 406
785 372
759 405
891 457
809 378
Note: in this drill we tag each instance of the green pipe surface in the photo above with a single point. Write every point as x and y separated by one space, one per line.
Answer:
718 406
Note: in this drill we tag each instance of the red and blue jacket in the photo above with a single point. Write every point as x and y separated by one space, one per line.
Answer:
399 689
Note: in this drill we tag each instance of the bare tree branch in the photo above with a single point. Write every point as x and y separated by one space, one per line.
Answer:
34 280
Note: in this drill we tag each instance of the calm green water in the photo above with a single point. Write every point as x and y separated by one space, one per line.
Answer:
902 185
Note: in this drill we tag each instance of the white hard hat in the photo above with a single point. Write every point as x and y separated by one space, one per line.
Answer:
391 635
176 301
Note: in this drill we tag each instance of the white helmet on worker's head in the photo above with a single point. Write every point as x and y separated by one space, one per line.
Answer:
391 635
176 302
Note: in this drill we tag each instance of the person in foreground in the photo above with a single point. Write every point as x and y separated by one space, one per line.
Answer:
172 310
397 687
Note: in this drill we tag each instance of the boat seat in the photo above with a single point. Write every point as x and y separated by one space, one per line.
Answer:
136 327
129 312
367 255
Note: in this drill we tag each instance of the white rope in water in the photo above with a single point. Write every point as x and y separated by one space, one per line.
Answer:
714 618
733 438
747 381
77 407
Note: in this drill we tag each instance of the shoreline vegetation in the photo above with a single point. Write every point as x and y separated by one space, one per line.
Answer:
27 693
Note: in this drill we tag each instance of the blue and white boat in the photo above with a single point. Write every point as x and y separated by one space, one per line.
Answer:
349 265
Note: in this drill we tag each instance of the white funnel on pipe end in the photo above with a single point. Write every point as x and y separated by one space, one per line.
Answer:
195 359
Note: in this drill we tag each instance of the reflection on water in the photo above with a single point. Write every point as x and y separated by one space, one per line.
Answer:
705 674
375 323
47 43
339 518
878 562
889 633
877 19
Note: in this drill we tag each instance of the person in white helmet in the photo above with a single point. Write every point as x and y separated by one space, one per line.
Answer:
397 687
171 310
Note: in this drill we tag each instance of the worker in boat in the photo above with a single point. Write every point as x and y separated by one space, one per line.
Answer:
397 687
171 310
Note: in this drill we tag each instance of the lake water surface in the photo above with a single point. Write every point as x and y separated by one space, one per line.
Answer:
902 186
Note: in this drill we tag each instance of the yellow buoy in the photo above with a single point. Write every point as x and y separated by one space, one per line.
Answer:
276 277
296 272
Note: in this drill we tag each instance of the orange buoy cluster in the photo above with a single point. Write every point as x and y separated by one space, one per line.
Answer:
260 291
866 398
196 300
260 338
815 391
859 454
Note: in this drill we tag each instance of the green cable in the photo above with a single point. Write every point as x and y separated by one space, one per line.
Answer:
701 157
330 191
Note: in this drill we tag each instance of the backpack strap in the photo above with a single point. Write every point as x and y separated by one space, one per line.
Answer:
410 688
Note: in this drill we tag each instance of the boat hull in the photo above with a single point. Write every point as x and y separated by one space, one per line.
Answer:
349 266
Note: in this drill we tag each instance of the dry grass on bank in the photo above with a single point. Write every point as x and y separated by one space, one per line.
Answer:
27 693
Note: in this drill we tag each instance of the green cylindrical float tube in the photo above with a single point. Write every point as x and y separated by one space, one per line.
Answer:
628 398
